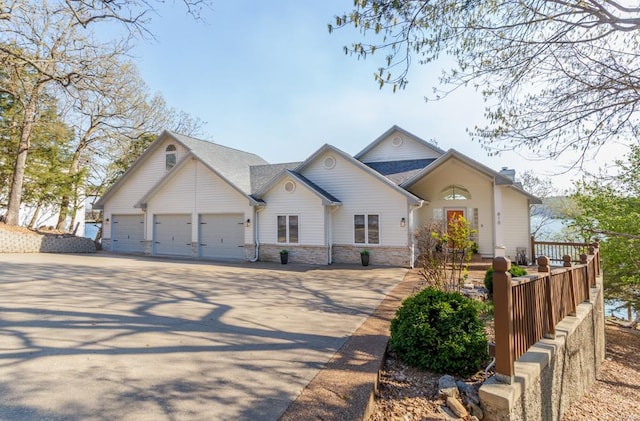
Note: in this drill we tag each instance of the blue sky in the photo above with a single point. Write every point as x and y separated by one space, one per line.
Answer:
267 77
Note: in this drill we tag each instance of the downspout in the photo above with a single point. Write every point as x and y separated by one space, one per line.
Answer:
330 234
329 230
256 240
412 242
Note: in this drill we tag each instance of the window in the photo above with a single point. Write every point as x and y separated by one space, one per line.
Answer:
366 229
288 229
455 193
170 157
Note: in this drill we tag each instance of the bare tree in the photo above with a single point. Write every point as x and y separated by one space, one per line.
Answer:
42 49
557 75
53 43
110 117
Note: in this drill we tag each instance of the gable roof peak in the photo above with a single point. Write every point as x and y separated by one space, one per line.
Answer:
396 128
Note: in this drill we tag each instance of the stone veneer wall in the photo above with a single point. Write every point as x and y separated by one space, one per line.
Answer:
384 256
554 372
313 255
19 242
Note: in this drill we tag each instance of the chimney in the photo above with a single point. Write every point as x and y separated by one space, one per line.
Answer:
509 173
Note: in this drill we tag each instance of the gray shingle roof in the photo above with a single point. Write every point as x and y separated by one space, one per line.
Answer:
400 171
233 164
261 175
317 188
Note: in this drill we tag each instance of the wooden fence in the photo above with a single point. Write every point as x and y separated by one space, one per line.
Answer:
528 308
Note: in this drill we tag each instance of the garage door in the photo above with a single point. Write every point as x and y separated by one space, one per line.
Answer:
222 236
172 234
127 233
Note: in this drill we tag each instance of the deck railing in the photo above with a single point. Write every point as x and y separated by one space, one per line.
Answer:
555 251
528 308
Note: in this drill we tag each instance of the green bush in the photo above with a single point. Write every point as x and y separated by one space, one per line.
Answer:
441 332
515 271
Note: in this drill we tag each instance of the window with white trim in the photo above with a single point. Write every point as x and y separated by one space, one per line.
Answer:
288 229
366 229
170 157
454 192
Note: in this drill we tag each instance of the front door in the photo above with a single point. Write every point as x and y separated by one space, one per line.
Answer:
453 215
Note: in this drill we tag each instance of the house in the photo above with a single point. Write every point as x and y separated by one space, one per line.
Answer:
192 198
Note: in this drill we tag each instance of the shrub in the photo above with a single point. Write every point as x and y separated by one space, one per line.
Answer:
439 331
515 271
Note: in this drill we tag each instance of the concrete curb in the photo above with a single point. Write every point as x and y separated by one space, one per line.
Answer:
345 388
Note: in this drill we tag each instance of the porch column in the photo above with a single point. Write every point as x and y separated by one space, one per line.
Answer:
498 232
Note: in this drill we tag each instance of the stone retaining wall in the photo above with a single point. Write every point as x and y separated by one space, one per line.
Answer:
20 242
554 372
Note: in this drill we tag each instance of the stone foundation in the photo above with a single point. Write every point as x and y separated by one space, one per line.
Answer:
383 256
22 242
311 255
554 372
249 251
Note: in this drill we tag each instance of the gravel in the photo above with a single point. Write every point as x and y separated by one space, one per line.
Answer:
408 394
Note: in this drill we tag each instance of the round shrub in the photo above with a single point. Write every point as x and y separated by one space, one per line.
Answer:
441 332
515 271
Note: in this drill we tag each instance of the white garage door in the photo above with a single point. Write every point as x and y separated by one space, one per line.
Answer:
127 233
172 234
222 236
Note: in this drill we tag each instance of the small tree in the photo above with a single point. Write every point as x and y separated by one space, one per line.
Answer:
444 255
431 259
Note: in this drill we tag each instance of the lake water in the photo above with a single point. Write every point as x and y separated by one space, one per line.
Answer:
91 230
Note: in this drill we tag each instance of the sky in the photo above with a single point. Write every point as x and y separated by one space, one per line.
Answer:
267 77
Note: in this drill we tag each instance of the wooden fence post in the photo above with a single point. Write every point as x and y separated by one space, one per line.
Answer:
533 249
503 316
543 266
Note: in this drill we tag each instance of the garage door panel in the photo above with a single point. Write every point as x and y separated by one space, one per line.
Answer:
222 236
172 234
127 233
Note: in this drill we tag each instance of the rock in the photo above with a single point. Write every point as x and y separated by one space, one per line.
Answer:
447 386
476 411
473 418
463 387
468 286
472 398
448 414
468 391
456 406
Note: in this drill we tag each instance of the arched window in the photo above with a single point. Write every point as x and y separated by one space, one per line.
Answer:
170 158
454 192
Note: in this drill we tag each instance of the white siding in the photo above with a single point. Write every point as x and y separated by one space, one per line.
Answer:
302 202
480 187
514 218
408 149
139 183
360 193
197 190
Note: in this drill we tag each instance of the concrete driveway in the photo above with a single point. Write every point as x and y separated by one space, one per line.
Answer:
100 337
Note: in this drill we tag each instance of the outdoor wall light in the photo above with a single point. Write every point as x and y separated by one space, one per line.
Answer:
248 222
403 222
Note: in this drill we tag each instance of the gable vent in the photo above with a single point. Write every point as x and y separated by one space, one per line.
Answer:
396 141
289 186
329 162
